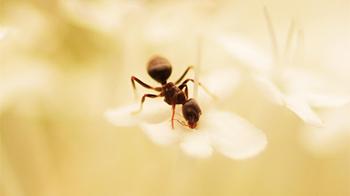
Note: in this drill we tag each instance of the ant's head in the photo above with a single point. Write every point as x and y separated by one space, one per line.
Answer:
191 112
159 68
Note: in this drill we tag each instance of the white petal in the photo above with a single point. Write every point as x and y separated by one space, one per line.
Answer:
197 144
327 101
269 89
161 133
316 88
303 80
153 112
221 82
122 116
233 136
246 52
303 110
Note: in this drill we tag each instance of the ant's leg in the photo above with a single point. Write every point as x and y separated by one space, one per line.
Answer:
184 74
184 86
172 115
201 85
143 100
133 79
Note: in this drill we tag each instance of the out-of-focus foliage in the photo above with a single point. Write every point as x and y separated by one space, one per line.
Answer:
63 63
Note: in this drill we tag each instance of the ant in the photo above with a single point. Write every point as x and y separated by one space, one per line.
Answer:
159 68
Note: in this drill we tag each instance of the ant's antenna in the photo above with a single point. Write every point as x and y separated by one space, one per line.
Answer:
197 67
272 35
181 122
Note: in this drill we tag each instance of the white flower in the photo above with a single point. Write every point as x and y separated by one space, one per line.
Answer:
218 130
224 131
299 89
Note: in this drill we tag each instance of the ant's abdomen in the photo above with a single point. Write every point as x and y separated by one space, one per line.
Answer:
159 69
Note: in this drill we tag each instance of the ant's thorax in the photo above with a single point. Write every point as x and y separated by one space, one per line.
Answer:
173 95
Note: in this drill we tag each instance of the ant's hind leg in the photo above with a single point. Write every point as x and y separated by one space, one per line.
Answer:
133 79
143 100
184 74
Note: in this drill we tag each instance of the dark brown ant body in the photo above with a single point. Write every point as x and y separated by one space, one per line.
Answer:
159 69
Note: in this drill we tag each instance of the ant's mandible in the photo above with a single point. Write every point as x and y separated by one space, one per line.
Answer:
159 68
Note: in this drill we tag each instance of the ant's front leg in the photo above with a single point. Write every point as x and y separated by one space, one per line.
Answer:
143 100
185 87
184 74
201 85
133 79
172 115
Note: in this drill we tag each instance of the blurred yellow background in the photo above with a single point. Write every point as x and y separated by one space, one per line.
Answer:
64 62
